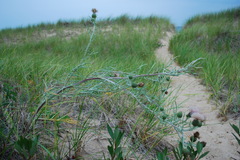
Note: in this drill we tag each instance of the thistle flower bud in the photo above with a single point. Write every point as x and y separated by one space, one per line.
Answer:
116 74
198 116
94 15
204 144
134 85
195 113
141 84
94 10
179 114
197 135
193 109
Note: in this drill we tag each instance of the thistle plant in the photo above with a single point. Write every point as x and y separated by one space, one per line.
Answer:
131 85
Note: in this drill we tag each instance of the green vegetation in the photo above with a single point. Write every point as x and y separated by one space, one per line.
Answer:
237 132
61 84
115 149
216 39
33 56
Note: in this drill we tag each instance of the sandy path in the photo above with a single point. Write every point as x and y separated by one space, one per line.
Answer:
220 142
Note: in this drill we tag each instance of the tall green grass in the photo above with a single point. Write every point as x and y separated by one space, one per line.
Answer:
29 59
38 61
216 38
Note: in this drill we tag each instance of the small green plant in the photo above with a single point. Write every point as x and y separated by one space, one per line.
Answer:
26 147
114 149
163 155
191 150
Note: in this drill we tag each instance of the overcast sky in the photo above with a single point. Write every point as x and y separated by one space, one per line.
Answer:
20 13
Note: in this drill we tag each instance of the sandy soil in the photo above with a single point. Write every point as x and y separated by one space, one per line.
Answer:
191 93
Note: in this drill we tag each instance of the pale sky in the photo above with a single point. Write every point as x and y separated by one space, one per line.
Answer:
21 13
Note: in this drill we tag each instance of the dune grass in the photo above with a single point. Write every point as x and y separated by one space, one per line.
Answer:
29 57
37 62
216 38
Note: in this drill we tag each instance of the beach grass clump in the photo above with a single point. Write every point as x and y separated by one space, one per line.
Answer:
216 38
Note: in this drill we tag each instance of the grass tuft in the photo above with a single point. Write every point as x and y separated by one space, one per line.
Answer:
216 38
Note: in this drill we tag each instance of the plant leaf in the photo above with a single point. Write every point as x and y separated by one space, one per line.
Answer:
18 148
204 154
238 140
118 150
110 131
110 149
116 133
119 156
199 147
180 146
48 152
165 151
236 129
119 138
33 149
160 156
176 154
110 142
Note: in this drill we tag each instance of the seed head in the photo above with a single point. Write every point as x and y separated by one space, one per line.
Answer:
164 116
94 10
204 143
140 84
161 108
196 114
179 114
195 122
116 75
197 135
194 109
